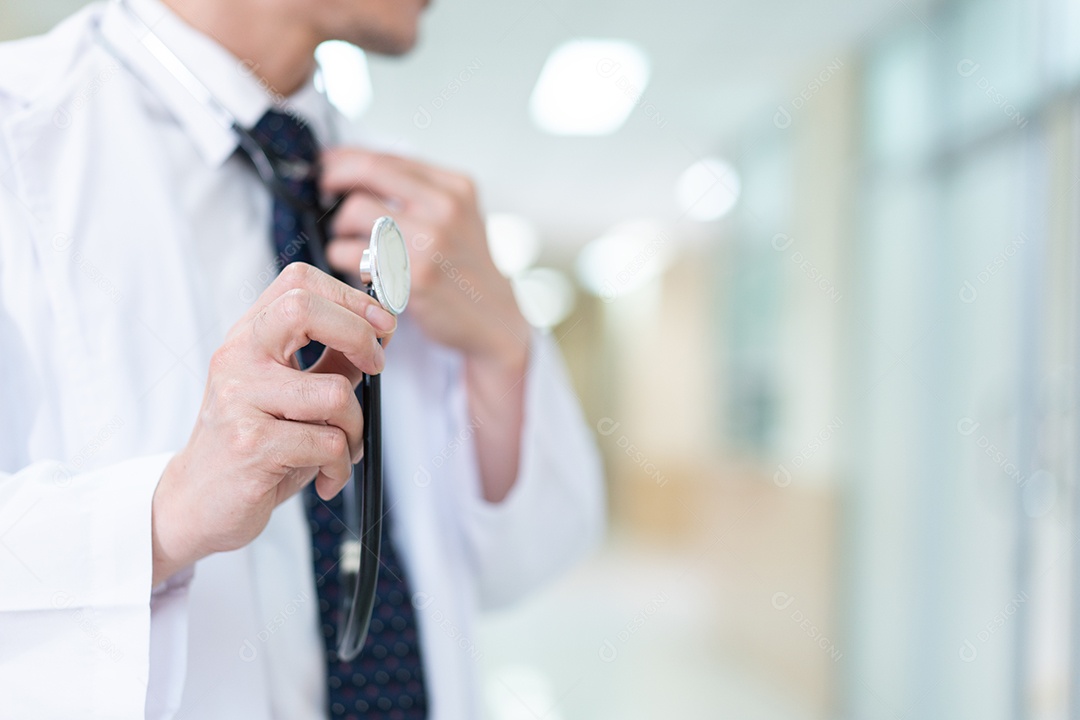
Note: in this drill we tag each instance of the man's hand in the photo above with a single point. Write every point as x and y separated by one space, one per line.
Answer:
266 428
458 297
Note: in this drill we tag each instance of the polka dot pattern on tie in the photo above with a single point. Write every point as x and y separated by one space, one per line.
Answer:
386 680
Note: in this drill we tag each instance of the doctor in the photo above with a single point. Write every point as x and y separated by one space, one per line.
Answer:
163 549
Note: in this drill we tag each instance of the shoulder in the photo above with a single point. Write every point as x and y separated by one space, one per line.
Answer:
34 66
39 76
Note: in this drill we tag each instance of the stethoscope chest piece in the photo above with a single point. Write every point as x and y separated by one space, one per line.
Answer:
385 266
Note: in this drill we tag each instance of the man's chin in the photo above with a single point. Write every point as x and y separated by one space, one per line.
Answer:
393 45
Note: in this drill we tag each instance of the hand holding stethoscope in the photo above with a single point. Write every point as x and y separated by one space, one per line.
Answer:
384 274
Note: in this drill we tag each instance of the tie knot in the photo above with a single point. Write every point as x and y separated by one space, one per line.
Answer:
287 136
292 144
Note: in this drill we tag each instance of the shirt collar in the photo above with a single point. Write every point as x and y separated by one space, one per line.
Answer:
232 82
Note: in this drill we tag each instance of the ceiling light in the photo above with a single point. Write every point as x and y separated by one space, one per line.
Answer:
589 87
624 259
343 76
514 242
708 189
545 296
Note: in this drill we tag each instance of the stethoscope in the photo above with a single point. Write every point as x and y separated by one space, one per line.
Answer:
384 274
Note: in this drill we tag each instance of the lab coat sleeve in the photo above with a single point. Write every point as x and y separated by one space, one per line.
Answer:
554 514
82 633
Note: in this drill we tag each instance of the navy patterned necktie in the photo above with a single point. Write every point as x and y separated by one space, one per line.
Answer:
386 679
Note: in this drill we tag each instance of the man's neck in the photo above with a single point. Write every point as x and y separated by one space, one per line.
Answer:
275 46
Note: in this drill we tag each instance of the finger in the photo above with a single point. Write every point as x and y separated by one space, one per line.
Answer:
431 174
344 254
358 214
386 176
301 276
327 486
314 398
294 482
300 316
305 445
450 181
332 362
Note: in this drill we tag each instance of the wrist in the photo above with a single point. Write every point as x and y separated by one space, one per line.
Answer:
171 551
505 354
495 386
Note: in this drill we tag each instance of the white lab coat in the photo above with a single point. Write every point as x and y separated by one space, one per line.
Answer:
131 239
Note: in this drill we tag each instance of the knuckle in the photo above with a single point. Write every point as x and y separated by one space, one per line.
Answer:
465 186
229 394
423 275
444 208
334 443
222 359
296 305
339 392
296 275
346 218
245 439
219 361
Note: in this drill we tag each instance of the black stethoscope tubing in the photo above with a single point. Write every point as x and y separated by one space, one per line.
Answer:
358 597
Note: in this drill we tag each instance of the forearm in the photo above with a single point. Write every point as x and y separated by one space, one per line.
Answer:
496 396
555 513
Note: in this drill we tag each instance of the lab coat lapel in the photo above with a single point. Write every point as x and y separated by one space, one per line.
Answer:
112 272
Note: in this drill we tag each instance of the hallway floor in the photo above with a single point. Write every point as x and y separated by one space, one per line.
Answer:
632 634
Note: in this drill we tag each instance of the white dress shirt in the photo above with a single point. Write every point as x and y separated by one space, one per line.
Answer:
132 237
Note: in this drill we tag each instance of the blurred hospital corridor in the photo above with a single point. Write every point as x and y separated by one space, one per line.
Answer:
814 268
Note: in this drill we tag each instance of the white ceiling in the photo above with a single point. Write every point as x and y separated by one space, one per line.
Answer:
717 66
